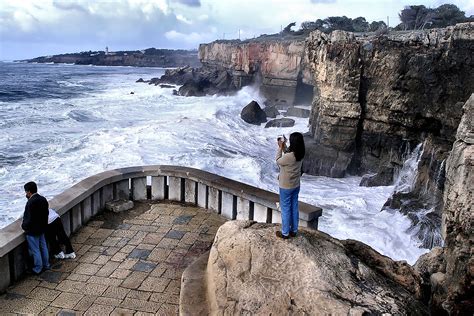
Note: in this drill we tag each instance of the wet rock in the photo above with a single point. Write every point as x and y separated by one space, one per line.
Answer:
450 270
297 112
271 111
250 270
140 80
166 86
252 113
283 122
383 177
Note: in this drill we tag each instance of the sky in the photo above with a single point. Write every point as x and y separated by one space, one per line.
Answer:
31 28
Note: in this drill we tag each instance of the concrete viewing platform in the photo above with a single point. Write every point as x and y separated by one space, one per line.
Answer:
127 263
131 262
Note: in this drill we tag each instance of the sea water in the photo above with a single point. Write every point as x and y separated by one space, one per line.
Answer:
63 123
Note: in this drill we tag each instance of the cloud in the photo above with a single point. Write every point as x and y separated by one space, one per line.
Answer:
183 19
190 38
190 3
323 1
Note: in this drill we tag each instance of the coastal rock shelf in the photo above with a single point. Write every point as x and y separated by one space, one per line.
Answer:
78 204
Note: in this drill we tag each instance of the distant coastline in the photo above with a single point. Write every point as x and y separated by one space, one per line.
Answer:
150 57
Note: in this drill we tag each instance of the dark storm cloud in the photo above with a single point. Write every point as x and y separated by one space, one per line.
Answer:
191 3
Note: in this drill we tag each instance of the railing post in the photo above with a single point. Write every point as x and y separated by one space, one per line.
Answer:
213 199
139 188
227 205
202 195
243 208
174 193
158 188
259 213
122 189
189 191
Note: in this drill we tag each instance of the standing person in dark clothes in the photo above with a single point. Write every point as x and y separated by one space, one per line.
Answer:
35 222
56 237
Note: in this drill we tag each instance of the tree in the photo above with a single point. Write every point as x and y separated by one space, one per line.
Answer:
339 23
311 26
377 25
414 17
448 14
287 29
419 17
360 24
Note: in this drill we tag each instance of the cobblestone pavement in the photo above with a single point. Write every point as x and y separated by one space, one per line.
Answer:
126 264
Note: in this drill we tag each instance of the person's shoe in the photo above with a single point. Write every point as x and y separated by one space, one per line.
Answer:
292 234
59 255
71 255
280 235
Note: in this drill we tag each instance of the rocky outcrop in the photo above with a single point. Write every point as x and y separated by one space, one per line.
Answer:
283 122
374 96
252 113
198 81
250 271
449 271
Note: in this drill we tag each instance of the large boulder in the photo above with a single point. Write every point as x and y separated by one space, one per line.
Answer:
251 271
252 113
283 122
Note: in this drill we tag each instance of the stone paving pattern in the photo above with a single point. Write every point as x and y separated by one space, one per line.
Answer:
127 264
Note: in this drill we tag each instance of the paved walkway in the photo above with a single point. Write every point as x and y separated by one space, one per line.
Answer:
127 264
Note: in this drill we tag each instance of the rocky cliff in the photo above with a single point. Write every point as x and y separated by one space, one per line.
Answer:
377 98
449 270
376 95
276 65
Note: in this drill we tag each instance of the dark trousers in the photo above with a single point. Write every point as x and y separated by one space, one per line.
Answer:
56 236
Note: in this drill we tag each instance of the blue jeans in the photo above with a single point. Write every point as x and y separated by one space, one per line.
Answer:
39 251
289 210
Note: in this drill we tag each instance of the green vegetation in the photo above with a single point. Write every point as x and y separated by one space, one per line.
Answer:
414 17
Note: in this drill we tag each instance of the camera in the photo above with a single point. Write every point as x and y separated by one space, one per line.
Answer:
281 138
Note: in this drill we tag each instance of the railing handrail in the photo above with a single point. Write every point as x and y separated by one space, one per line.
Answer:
12 235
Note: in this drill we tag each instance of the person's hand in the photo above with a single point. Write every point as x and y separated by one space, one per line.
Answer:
281 144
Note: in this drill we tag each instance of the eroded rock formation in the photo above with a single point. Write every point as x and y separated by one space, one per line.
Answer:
449 271
373 95
250 271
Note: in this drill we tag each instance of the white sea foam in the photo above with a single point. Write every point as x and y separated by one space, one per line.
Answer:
111 128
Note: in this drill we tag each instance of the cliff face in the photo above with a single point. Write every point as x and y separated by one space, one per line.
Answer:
374 94
449 271
276 65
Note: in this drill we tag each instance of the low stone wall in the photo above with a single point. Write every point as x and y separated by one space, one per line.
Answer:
76 205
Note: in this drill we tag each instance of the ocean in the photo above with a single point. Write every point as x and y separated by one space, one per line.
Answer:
63 123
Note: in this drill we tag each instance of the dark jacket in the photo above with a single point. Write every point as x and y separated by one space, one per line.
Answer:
35 218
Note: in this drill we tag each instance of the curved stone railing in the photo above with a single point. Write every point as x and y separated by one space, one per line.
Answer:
76 205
